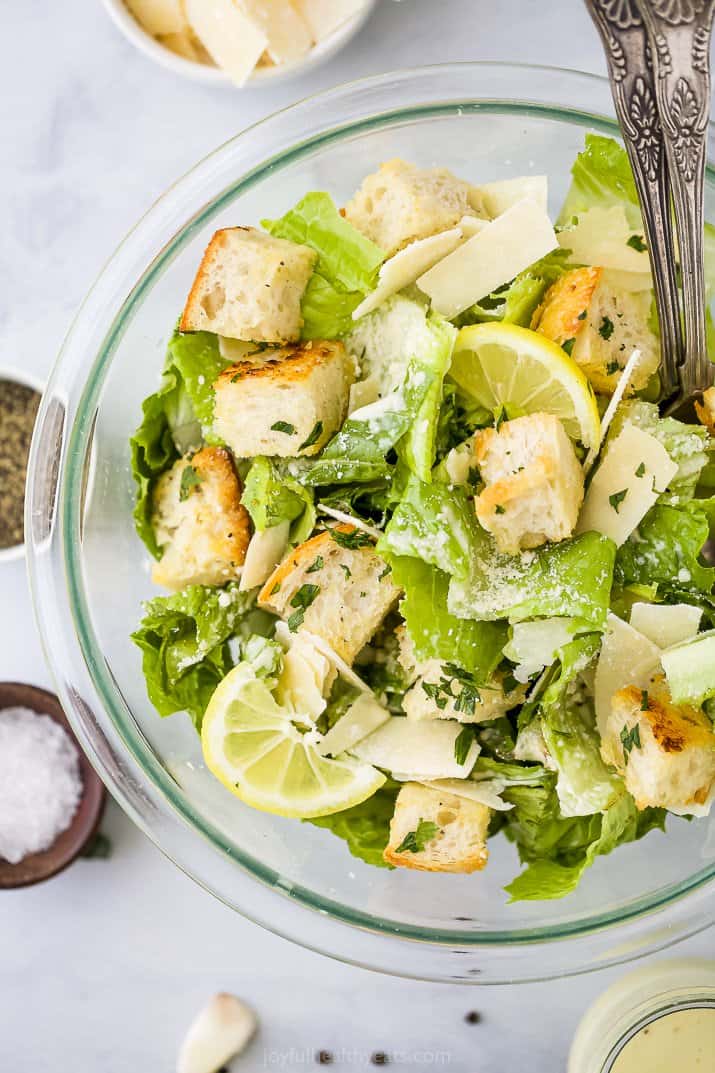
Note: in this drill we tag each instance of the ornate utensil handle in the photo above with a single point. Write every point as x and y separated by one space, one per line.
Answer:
632 81
679 33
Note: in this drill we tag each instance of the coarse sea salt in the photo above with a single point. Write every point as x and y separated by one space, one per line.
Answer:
40 782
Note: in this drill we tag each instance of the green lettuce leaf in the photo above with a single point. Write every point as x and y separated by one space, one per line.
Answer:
327 311
666 551
365 827
584 785
571 579
435 633
431 364
175 419
183 639
271 497
435 523
687 445
601 176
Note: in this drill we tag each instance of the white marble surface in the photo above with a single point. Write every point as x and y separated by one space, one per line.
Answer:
101 968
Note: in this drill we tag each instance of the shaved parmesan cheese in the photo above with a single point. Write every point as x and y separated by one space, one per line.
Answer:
485 792
505 247
499 196
601 238
535 644
363 393
627 659
407 265
306 678
325 16
265 550
232 39
158 16
235 349
635 469
286 30
666 624
624 381
344 669
472 225
635 282
361 719
459 461
426 748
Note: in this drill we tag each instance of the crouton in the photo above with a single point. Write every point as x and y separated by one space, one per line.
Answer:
335 586
454 841
534 483
199 521
249 286
288 405
436 691
563 312
705 410
665 751
401 203
617 322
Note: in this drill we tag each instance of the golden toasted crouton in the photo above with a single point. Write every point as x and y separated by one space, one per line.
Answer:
340 593
478 705
458 845
534 483
287 405
249 286
617 323
562 314
665 751
401 203
199 521
706 410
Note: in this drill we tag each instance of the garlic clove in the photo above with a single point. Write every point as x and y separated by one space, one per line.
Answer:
221 1030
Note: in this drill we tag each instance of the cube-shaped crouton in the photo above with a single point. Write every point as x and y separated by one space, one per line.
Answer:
287 405
617 322
440 690
335 586
249 286
200 523
401 203
665 751
534 482
435 831
705 409
563 312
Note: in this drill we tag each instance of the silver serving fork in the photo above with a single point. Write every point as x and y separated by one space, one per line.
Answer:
658 54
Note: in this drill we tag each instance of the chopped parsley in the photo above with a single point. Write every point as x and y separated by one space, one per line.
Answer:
568 345
606 328
385 572
582 315
415 841
284 426
499 509
645 701
317 564
276 588
465 698
636 243
236 376
617 498
473 475
346 570
613 367
190 478
463 743
352 540
313 436
630 739
499 418
640 472
302 600
509 684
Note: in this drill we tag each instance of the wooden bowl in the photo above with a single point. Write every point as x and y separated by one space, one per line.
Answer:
69 844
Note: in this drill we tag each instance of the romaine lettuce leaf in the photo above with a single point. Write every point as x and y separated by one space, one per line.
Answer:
601 175
435 633
175 419
365 827
570 579
429 365
183 639
435 523
584 784
666 551
327 311
516 302
271 497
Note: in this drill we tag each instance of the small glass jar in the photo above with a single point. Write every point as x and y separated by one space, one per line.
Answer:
665 1004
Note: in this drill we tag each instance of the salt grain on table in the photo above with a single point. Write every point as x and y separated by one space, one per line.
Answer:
40 782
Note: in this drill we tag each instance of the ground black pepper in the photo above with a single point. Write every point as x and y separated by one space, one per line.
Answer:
18 410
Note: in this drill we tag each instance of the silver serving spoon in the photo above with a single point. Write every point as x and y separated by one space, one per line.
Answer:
658 54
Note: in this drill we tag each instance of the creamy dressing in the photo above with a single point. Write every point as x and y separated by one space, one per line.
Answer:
679 1042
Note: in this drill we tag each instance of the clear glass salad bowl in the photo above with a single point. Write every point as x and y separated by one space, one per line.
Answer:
89 573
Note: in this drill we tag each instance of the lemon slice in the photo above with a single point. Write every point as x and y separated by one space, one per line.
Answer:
505 365
255 749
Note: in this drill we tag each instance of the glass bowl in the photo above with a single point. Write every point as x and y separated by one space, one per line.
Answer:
89 573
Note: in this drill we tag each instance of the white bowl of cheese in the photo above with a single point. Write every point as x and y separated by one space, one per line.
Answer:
239 42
